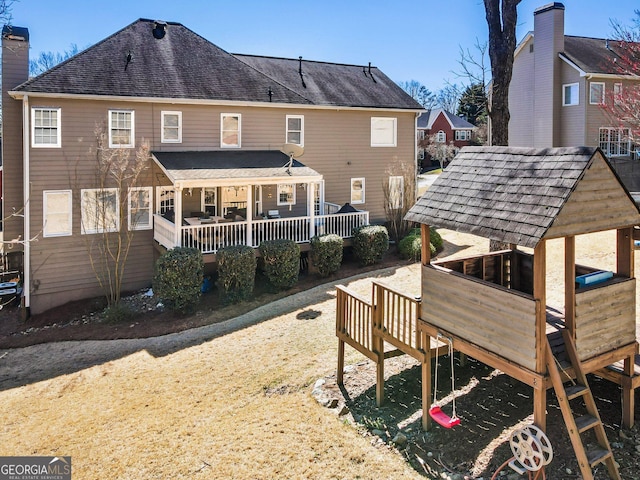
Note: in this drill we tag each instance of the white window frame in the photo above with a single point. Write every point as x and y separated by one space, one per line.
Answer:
421 134
47 212
614 141
213 207
463 135
165 199
84 214
164 139
599 101
228 145
571 87
617 94
132 129
141 226
441 137
58 127
384 124
281 189
396 191
288 130
354 199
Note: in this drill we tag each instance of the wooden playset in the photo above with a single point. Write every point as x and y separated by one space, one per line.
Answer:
493 307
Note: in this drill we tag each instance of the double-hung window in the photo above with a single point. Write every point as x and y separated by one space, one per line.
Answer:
121 129
56 206
295 129
570 94
615 142
441 137
140 208
357 191
383 132
171 127
45 127
596 93
100 212
230 130
286 194
463 135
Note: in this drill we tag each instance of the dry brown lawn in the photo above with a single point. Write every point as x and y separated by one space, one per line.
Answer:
235 406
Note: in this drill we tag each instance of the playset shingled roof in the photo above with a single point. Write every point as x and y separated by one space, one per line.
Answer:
515 195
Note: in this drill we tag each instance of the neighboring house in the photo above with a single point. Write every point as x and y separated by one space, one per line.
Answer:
216 124
445 127
559 86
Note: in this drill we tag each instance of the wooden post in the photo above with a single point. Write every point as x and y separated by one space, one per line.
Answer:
339 329
427 423
625 253
625 266
540 296
378 342
628 393
570 285
426 242
540 407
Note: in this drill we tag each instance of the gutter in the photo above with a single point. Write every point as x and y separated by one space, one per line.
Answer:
26 191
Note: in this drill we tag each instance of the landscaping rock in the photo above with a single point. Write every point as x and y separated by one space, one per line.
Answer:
400 439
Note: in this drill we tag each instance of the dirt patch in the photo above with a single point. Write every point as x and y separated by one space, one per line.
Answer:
84 320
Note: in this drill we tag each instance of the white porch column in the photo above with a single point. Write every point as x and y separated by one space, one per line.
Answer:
177 206
311 195
250 208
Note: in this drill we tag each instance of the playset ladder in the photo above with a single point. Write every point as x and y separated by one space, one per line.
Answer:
577 390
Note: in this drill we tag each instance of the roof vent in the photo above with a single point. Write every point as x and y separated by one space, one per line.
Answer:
159 29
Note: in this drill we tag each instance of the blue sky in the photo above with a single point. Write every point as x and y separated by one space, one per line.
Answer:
406 39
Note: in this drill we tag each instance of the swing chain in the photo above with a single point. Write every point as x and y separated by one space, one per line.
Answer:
453 384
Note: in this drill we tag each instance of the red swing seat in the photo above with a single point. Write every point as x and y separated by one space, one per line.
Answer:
442 418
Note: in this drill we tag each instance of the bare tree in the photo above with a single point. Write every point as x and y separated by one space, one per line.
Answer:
448 97
48 60
419 93
399 189
501 17
112 210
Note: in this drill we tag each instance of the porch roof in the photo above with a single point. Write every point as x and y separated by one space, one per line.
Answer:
222 167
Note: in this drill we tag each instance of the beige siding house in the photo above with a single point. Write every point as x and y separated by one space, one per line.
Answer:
561 86
243 149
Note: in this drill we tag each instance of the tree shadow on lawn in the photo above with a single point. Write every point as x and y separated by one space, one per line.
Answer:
23 366
490 404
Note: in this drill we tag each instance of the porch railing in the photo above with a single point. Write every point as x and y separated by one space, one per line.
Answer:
209 238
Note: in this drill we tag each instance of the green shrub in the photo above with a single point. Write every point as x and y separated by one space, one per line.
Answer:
178 278
410 247
281 260
117 313
326 253
370 243
236 272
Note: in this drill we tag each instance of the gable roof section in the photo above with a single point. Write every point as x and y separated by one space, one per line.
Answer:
330 84
515 195
184 65
593 55
427 119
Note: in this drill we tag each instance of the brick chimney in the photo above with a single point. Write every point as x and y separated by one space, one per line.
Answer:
15 70
548 37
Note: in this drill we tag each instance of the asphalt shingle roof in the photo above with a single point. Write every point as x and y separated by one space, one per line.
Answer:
504 193
593 55
134 63
426 119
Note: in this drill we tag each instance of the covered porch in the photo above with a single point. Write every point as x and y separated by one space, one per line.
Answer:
210 200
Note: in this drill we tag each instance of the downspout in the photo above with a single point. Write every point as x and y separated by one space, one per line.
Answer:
415 156
26 190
